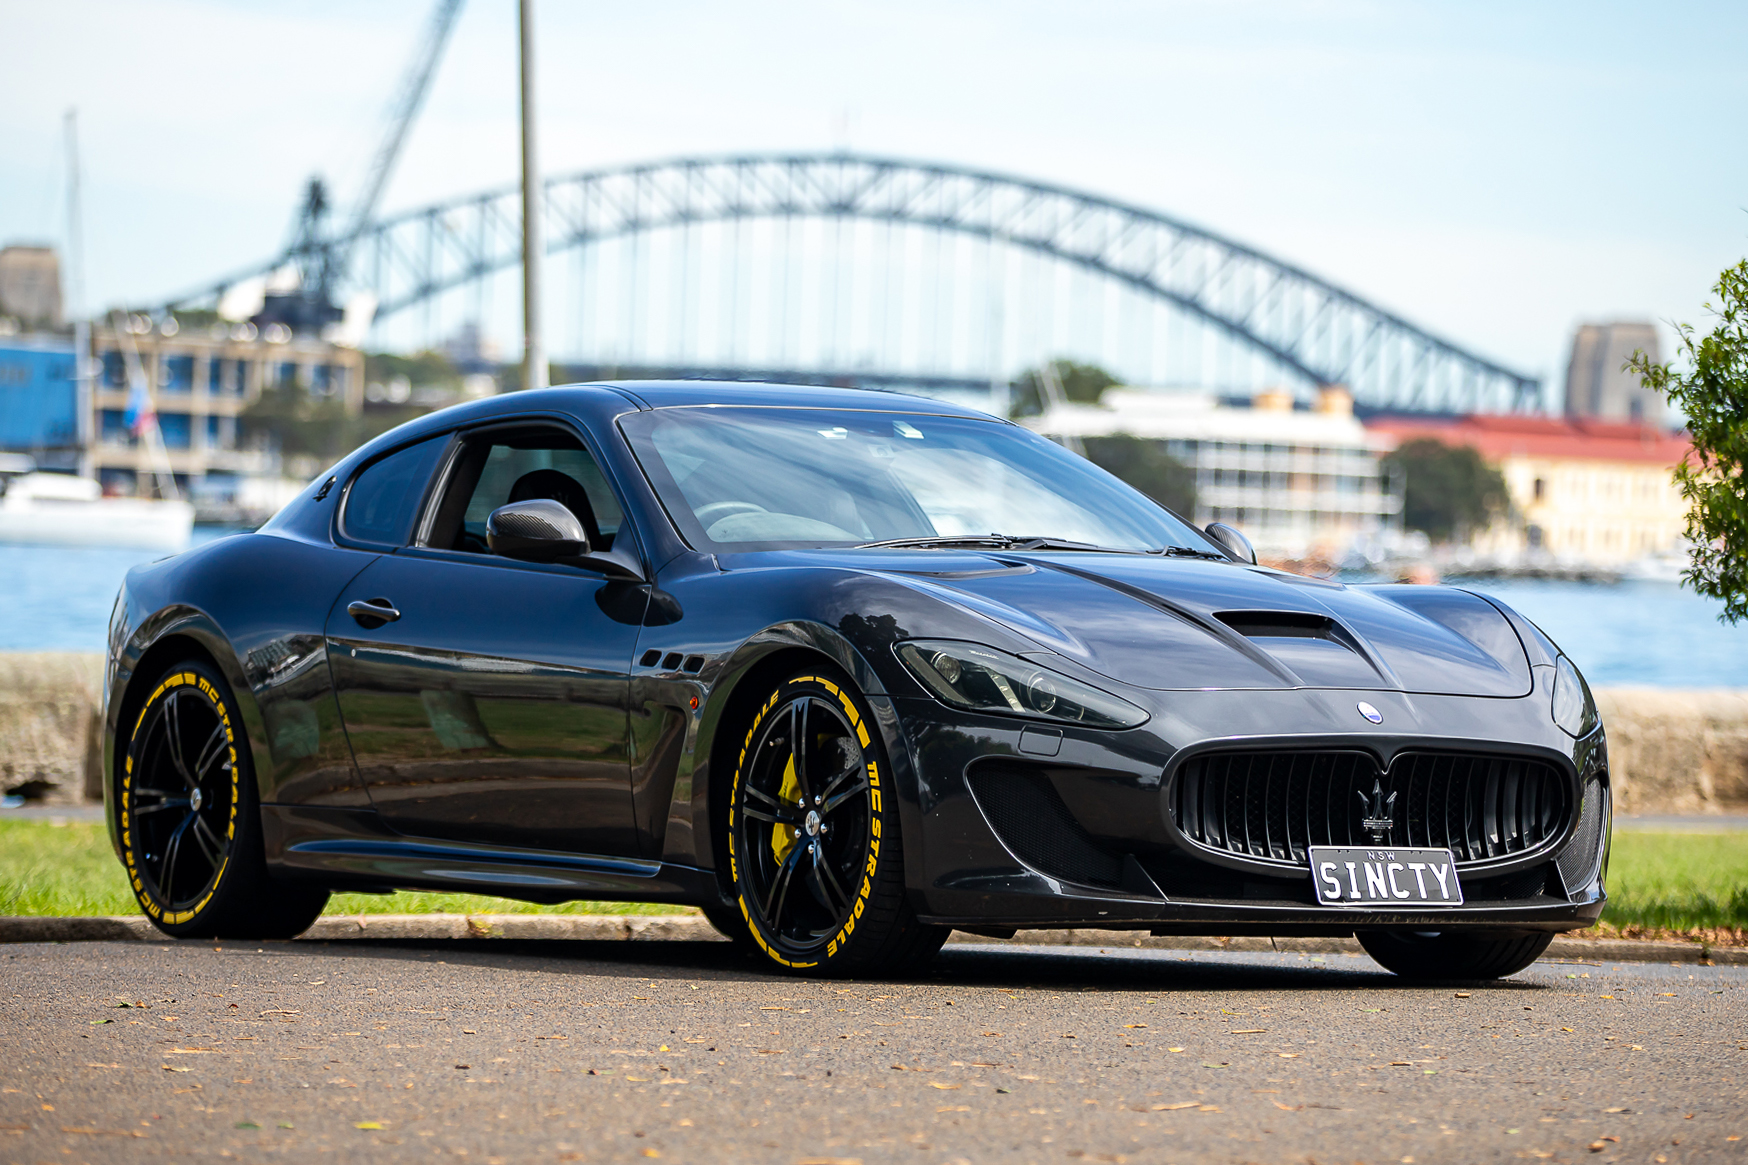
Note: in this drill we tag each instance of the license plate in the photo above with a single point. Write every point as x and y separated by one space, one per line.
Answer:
1384 876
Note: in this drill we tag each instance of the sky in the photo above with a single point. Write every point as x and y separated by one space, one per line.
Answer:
1496 172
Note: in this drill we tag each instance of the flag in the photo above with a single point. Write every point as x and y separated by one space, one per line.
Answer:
140 416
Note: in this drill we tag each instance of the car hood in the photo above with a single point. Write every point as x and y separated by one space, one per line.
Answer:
1175 624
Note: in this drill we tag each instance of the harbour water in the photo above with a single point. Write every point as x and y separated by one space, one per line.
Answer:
1651 634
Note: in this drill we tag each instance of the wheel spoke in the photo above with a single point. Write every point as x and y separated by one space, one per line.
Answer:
831 802
209 841
173 736
798 744
164 802
830 889
172 850
210 751
779 892
774 817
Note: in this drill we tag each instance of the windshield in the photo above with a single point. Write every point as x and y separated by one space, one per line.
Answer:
736 478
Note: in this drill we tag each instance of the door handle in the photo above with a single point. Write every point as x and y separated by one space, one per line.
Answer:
372 613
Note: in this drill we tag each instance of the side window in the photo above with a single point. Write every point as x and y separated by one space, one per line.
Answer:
503 468
381 501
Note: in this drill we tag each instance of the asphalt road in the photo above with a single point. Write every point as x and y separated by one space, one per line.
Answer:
493 1052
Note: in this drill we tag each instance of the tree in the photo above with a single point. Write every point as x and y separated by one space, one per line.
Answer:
1449 491
1713 393
1147 467
1080 383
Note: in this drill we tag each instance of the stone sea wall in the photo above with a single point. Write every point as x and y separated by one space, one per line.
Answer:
1670 751
50 748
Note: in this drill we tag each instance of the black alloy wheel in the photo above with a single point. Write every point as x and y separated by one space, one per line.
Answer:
186 815
814 840
179 797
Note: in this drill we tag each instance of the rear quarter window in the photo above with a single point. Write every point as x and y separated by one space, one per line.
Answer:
384 497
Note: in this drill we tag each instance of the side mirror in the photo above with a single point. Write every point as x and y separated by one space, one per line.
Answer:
537 530
543 530
1232 542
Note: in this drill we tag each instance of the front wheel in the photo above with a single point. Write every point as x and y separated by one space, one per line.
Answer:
189 820
815 855
1452 954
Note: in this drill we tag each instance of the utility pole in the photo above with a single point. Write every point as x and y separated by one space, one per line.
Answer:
533 350
74 301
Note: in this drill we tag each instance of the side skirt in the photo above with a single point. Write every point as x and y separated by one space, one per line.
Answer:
353 849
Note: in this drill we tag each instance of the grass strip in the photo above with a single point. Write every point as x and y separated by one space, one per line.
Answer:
68 870
1661 885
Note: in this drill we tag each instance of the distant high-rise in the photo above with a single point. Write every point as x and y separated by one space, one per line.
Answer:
1596 386
30 286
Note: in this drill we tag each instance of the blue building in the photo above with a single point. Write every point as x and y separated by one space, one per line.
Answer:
39 399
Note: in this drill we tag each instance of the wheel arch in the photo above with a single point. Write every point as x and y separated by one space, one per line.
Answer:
746 679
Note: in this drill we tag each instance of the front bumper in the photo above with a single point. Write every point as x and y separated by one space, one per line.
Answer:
968 873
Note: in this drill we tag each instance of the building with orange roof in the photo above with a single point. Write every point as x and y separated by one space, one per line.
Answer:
1581 490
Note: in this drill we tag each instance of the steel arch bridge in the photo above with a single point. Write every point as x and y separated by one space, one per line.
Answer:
1309 330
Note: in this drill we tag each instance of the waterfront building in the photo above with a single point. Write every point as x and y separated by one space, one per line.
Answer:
1300 482
203 377
1581 491
1596 384
30 288
39 412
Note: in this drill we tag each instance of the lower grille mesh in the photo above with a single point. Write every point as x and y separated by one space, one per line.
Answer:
1273 805
1032 820
1577 861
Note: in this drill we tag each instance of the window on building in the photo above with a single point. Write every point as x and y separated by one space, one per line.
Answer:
176 374
114 372
177 428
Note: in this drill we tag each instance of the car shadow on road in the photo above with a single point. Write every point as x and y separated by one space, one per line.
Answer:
981 965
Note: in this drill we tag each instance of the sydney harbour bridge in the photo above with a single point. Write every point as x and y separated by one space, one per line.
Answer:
840 267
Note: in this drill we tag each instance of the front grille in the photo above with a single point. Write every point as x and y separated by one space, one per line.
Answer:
1273 805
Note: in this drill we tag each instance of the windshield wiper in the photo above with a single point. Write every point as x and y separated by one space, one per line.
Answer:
942 541
1190 552
999 542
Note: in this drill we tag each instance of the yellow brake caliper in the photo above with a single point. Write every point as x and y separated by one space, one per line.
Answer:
783 837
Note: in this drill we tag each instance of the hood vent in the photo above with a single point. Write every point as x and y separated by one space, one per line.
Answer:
1282 625
1315 648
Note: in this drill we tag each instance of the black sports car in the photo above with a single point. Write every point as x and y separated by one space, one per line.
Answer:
846 670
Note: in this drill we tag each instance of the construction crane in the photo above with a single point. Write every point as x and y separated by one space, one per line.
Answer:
322 261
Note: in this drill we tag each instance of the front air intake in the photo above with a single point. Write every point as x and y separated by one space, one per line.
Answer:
1271 806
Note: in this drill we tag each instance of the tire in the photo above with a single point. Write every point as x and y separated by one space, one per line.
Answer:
816 860
189 818
1452 954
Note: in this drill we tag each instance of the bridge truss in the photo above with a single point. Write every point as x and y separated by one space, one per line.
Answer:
896 267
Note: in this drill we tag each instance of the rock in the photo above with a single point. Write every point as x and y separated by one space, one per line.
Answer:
51 746
1673 751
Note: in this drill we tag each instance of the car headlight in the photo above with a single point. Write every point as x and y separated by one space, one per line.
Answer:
982 679
1573 709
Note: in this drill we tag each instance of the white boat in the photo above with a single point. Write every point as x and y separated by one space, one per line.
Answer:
58 509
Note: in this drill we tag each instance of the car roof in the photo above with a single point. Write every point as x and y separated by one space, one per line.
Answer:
659 394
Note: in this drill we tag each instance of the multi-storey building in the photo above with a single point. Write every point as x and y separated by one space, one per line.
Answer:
202 379
1582 491
1297 481
1598 384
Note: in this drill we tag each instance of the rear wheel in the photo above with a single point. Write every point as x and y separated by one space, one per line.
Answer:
1452 954
190 823
815 855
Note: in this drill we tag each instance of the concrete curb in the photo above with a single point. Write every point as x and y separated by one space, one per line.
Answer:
694 928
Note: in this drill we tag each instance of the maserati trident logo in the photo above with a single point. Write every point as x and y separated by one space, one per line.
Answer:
1380 816
1369 712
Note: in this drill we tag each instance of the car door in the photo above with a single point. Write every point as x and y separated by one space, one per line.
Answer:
486 699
